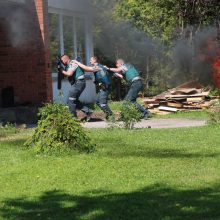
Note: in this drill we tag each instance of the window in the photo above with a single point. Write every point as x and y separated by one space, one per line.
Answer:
54 39
67 35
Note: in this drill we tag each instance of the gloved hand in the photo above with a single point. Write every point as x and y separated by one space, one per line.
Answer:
60 65
76 62
60 69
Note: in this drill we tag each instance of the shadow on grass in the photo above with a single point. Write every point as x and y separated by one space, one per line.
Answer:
17 143
156 202
160 153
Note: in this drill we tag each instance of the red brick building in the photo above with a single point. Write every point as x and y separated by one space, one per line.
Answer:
25 63
24 50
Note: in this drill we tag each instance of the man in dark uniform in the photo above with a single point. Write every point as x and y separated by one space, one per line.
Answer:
76 77
133 77
102 81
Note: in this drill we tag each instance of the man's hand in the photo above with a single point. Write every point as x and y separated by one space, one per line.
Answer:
76 62
107 68
117 75
60 69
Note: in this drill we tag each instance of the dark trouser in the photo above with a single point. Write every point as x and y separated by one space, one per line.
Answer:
73 98
132 95
102 100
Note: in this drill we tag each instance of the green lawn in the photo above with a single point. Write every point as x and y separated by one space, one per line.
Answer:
194 114
140 174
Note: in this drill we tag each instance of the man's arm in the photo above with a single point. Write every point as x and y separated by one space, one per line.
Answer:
117 71
84 67
118 75
87 68
71 69
68 73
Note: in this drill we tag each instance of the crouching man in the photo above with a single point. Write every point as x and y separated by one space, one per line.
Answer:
102 81
76 77
136 85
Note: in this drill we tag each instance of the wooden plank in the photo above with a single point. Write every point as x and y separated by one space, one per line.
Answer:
192 106
175 104
158 112
188 96
195 99
169 109
185 91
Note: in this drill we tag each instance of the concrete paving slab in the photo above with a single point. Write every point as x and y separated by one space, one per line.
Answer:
154 123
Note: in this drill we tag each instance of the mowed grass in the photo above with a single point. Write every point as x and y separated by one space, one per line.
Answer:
193 114
140 174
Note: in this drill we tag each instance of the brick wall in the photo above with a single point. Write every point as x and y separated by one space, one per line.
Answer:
24 51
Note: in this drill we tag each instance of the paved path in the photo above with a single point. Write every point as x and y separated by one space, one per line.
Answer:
155 123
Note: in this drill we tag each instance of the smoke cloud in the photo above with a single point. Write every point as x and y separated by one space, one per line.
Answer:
14 19
188 58
193 58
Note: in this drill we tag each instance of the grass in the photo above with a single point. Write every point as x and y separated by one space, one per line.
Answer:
115 106
194 114
140 174
6 130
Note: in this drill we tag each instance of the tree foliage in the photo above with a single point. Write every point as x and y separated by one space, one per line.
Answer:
156 18
167 19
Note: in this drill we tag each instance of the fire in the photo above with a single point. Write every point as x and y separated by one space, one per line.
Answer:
216 67
209 53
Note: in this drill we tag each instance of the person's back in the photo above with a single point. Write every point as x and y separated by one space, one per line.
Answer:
133 77
102 81
130 71
102 76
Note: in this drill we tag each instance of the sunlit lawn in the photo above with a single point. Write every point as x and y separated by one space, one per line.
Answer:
194 114
140 174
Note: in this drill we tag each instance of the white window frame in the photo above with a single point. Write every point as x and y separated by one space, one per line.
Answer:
87 31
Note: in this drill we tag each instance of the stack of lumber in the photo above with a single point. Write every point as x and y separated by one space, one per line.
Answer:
188 96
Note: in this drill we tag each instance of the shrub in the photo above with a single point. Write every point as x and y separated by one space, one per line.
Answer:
129 115
57 131
214 113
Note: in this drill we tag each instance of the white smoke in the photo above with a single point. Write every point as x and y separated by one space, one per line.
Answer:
14 19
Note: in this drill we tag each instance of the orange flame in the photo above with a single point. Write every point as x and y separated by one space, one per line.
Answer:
214 60
216 67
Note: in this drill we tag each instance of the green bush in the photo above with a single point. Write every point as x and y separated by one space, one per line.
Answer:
214 91
129 115
58 131
7 129
214 113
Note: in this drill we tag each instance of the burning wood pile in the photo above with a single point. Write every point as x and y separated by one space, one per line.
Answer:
188 96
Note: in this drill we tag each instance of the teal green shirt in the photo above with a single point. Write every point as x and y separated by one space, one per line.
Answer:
130 71
77 71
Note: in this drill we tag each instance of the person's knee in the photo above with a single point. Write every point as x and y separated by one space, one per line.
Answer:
102 104
72 99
